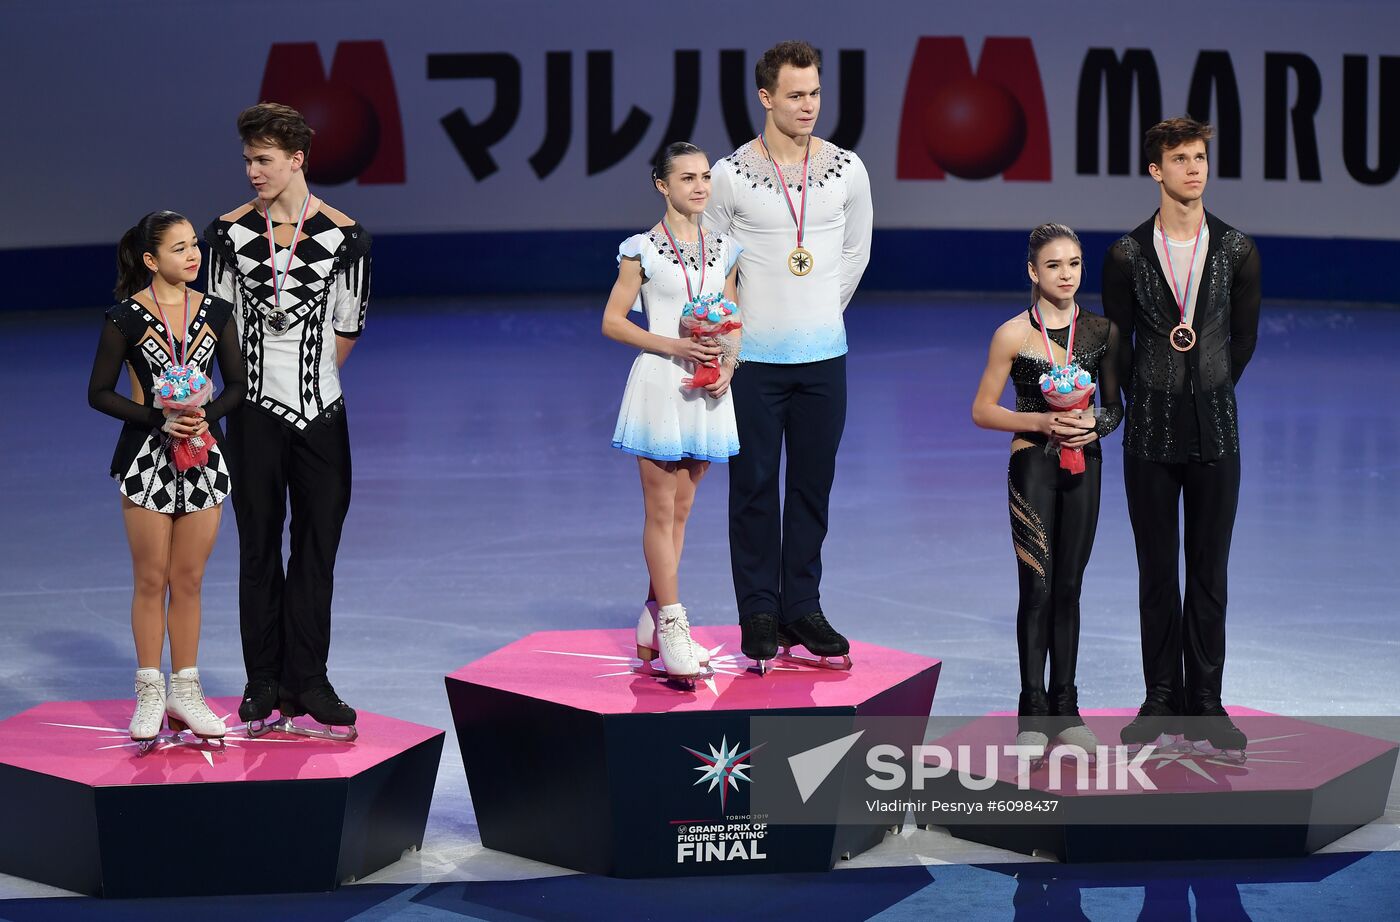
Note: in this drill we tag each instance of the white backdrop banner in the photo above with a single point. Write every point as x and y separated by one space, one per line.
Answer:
440 116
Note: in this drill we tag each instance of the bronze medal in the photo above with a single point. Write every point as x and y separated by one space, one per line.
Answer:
1182 338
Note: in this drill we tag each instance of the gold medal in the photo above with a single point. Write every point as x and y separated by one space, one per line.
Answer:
1182 338
800 261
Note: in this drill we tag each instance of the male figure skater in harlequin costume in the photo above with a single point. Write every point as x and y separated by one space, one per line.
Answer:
298 273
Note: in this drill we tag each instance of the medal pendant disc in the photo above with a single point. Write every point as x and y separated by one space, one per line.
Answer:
1182 337
800 261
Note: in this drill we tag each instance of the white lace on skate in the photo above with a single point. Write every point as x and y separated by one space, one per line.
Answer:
150 709
675 646
186 703
646 637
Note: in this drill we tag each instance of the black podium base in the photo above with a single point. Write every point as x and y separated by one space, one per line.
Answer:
277 814
575 760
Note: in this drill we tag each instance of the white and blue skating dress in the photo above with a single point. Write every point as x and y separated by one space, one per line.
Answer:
661 418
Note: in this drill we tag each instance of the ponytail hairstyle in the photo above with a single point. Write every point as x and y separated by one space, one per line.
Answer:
665 162
143 238
1043 235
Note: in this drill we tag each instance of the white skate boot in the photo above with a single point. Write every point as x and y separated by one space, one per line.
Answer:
1035 740
647 648
1081 738
187 709
150 709
674 647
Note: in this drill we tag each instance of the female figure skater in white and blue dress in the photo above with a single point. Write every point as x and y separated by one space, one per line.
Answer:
675 430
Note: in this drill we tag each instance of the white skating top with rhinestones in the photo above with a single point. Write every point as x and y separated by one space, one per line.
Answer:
787 318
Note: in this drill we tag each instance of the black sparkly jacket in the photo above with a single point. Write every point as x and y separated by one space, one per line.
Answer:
1170 393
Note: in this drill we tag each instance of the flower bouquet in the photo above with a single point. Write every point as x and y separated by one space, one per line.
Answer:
711 317
1068 387
185 387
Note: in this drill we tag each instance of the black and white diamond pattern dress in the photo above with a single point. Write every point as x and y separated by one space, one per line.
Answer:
292 373
142 465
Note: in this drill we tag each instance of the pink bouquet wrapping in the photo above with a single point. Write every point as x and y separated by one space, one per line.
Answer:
1068 387
185 387
711 316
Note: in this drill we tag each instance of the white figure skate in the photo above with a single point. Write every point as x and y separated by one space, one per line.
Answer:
186 709
146 721
674 646
648 650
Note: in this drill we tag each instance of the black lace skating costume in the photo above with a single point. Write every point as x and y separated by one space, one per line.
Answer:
1054 515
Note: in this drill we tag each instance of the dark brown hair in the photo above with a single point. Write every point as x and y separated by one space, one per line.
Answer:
271 124
794 54
1174 132
144 237
666 158
1043 235
1046 233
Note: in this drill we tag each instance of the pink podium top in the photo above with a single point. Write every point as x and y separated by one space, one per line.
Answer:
592 670
87 742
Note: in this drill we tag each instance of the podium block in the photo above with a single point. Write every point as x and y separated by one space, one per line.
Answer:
277 814
1302 785
575 760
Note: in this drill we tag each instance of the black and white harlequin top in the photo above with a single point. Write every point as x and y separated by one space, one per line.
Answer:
141 465
292 374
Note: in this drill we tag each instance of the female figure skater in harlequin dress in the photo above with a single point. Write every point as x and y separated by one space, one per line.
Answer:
675 428
1053 476
167 336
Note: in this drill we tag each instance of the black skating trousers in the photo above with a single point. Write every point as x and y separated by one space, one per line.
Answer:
1054 516
1183 639
285 614
775 549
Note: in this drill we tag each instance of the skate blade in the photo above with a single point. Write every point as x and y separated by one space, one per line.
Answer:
761 666
177 727
653 672
841 663
321 731
194 741
1165 744
177 738
1203 749
256 728
1074 751
1172 742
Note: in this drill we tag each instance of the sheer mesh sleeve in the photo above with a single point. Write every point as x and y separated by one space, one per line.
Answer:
231 369
1110 392
1244 313
102 386
1118 306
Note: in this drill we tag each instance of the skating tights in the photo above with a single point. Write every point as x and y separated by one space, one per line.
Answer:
1054 515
